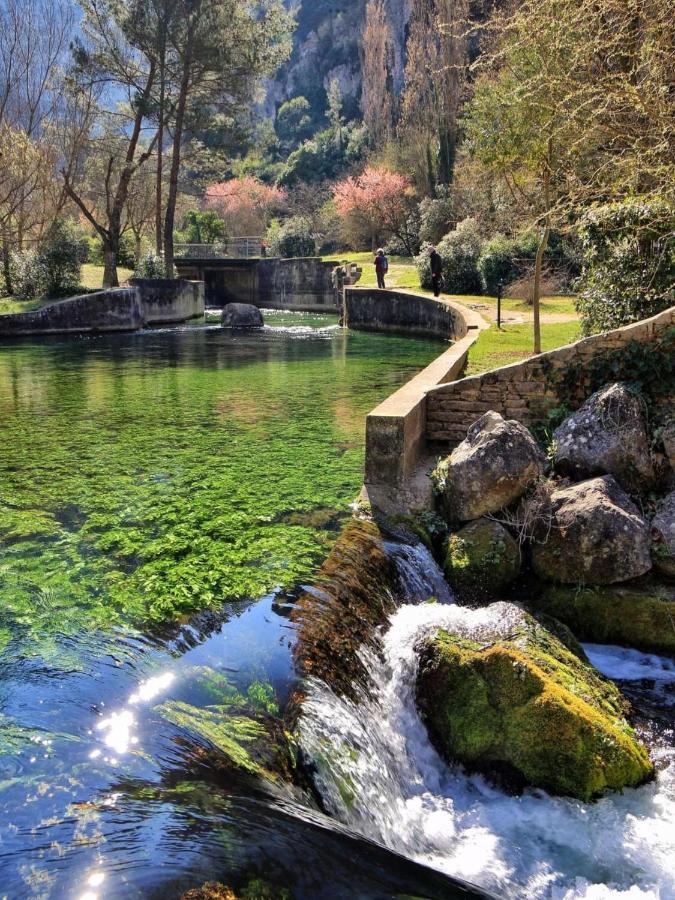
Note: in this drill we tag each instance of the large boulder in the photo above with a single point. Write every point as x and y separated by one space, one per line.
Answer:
242 315
663 537
639 616
607 436
512 695
595 535
490 469
481 560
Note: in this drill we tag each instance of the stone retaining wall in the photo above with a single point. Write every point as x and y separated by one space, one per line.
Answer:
524 390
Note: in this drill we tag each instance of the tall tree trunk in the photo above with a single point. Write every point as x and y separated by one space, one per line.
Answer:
160 147
536 291
138 250
541 249
110 277
6 268
170 216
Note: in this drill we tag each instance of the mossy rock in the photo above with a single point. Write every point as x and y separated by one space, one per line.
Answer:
515 697
642 617
481 560
353 596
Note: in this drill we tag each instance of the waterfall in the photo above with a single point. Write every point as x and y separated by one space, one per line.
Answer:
377 772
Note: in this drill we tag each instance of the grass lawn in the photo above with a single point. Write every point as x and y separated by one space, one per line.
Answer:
495 348
92 276
92 279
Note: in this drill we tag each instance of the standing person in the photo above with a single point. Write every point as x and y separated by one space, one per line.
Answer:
381 268
436 270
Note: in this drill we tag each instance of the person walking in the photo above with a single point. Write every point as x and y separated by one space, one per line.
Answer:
436 271
381 268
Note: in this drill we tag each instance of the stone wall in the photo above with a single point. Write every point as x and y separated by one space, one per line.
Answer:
167 300
524 391
114 310
370 309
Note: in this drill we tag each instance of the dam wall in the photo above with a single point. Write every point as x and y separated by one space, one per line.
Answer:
303 284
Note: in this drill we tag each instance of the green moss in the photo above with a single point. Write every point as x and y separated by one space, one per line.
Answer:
528 701
640 617
255 745
351 600
481 560
146 477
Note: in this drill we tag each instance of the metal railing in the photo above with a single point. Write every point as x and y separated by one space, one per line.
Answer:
233 248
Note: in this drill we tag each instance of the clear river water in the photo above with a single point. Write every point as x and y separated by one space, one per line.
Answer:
163 498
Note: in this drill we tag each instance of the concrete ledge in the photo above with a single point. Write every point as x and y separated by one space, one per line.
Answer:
396 429
408 312
150 301
169 300
113 310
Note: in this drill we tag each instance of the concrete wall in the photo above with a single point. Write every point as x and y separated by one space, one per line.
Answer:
149 302
396 429
523 391
166 300
302 284
113 310
370 309
298 284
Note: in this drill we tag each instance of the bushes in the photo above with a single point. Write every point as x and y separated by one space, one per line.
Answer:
436 216
628 264
54 268
150 266
292 239
460 251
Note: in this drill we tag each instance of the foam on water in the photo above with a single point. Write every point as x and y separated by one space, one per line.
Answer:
379 774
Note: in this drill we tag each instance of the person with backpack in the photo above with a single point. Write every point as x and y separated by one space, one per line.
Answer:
436 271
381 268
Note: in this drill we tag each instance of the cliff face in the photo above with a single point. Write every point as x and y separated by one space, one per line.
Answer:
327 45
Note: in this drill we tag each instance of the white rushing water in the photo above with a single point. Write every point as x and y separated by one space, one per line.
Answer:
379 774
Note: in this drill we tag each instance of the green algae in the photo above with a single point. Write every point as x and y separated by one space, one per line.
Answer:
144 478
528 701
481 560
640 616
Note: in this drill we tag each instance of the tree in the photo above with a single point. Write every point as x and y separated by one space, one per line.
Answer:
435 77
34 35
574 106
375 204
246 205
202 227
112 55
376 95
293 122
220 49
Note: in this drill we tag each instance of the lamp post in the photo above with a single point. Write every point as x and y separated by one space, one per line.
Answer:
500 290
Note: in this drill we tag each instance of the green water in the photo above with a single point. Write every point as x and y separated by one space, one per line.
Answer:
145 477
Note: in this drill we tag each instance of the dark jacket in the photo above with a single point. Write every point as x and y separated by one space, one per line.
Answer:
436 264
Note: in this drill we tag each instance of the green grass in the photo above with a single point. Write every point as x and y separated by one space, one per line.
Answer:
92 276
495 348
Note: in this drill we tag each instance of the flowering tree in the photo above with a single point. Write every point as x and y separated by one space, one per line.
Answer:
245 204
378 203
